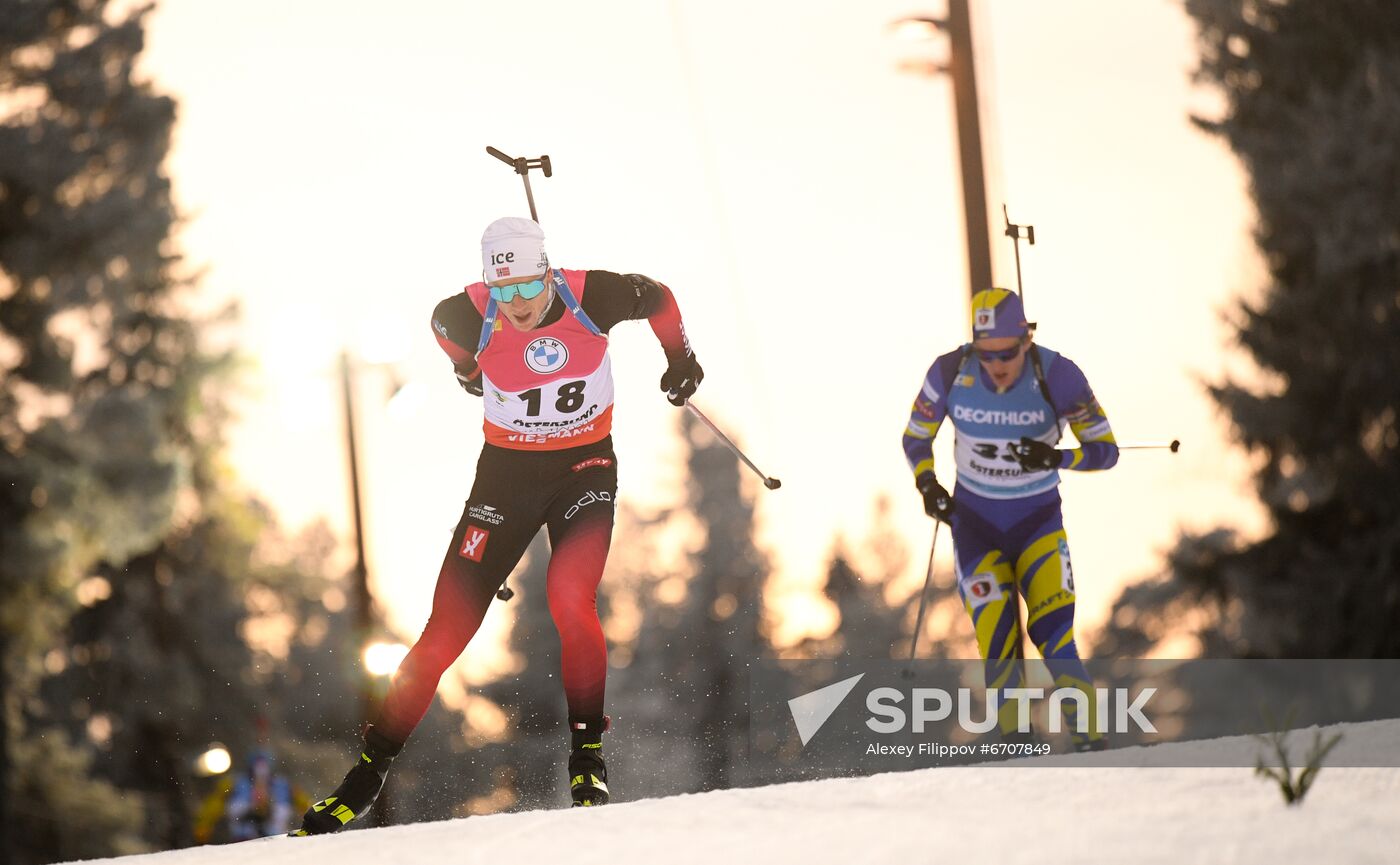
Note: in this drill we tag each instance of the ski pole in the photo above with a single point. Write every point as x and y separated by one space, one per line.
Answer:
1013 231
770 483
1173 446
923 595
522 167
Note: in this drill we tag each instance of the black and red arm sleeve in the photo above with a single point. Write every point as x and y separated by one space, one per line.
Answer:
612 297
457 326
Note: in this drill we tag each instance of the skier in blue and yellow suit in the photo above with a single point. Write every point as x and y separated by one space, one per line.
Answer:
1008 400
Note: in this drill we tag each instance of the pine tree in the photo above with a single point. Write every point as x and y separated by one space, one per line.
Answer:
1312 90
125 561
679 699
721 621
867 626
98 371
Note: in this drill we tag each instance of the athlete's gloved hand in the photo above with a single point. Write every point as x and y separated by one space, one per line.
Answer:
470 380
938 502
1035 455
681 379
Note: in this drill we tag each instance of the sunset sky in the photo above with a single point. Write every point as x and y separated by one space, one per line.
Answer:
771 164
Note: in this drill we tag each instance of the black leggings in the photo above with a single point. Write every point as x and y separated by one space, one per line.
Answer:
570 491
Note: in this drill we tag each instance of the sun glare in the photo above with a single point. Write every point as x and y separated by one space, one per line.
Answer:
382 659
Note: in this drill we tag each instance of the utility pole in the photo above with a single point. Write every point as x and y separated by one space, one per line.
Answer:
974 186
962 68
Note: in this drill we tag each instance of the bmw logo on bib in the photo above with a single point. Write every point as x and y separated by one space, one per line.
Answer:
546 355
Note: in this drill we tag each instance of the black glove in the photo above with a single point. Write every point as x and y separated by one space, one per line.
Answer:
938 502
1035 455
681 379
470 380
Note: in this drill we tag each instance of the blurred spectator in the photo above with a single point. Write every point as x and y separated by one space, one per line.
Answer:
254 804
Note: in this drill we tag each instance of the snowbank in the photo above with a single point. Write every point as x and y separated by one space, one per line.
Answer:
1035 814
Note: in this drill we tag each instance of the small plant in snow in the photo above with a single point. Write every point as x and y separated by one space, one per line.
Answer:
1293 789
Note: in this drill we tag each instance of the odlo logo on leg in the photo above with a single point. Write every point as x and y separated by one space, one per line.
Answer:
588 498
474 543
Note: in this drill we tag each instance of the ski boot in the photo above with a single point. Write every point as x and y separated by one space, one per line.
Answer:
588 774
357 792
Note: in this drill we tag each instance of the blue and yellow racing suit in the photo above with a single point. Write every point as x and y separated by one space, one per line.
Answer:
1008 531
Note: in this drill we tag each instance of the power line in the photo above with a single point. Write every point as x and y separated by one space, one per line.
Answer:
747 338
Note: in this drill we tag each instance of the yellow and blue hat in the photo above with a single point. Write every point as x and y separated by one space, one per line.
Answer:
997 312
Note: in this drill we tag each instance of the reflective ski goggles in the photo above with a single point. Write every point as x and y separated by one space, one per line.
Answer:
528 290
1002 356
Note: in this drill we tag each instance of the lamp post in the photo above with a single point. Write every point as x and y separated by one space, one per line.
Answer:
962 69
365 618
364 601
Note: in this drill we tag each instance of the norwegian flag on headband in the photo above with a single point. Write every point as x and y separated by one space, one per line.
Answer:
502 271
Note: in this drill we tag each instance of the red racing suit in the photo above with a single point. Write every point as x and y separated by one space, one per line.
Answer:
547 461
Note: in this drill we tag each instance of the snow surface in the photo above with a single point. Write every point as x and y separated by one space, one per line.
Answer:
988 815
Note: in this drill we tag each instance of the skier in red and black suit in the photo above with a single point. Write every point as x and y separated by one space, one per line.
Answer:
532 341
